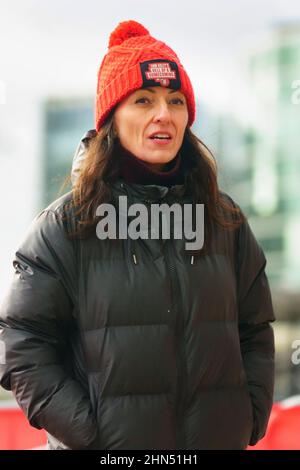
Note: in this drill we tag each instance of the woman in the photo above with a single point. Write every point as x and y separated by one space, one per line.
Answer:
140 343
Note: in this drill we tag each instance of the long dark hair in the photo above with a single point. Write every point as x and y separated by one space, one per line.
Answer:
101 167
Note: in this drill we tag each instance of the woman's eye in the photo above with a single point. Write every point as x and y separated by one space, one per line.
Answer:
178 99
141 100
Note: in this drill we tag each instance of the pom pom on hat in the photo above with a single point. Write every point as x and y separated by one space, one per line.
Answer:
126 30
135 60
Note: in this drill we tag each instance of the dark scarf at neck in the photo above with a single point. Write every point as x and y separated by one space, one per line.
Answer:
135 170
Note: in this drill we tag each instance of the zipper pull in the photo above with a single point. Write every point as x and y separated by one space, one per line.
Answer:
134 258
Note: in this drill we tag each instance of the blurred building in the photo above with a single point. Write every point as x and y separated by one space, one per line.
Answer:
65 122
259 166
275 155
275 202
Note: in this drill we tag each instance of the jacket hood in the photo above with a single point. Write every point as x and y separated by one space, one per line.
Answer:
79 154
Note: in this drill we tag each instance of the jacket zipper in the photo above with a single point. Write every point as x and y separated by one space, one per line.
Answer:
174 288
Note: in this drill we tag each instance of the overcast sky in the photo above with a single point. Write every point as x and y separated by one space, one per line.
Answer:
57 45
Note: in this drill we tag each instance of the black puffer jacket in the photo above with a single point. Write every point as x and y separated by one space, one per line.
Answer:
141 347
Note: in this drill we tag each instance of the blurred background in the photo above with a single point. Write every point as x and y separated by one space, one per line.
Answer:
243 58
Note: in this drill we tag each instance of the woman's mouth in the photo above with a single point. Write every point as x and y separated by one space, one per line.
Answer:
160 139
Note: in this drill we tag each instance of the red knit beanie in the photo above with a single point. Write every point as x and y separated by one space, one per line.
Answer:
137 60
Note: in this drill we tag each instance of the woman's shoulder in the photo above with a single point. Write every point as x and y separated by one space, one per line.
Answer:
46 248
231 211
247 242
51 225
61 205
225 197
61 210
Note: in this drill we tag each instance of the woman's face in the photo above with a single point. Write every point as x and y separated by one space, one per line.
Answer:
149 111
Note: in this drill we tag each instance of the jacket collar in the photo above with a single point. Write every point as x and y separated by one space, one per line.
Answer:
147 193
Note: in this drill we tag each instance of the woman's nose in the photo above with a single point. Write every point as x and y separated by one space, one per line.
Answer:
162 112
